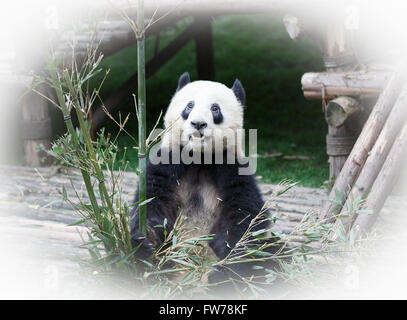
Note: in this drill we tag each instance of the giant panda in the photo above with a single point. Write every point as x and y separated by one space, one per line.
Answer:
214 197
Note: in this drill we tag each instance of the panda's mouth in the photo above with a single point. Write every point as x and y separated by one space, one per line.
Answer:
197 136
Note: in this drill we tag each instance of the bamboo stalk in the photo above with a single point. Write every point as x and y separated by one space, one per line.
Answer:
99 174
104 195
71 130
141 106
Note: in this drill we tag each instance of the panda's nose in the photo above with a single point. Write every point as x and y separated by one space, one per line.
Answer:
199 125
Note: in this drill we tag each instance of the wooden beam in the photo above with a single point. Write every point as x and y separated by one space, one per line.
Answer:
205 59
211 7
333 84
125 91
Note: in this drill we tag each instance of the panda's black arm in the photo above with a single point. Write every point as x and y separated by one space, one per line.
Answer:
161 183
241 202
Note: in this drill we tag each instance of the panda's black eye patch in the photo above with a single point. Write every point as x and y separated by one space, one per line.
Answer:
216 113
185 113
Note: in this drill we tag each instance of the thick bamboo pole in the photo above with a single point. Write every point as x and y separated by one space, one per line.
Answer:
141 106
366 140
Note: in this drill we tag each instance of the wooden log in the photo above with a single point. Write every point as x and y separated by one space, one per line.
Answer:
205 59
338 57
125 91
333 92
339 144
341 109
367 138
376 158
383 183
352 83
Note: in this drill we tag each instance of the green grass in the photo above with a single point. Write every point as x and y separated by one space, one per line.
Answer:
257 50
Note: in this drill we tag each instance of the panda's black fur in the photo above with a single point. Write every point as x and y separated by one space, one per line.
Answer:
241 201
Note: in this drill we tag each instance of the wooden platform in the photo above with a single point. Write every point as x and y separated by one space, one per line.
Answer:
40 252
40 247
31 203
31 196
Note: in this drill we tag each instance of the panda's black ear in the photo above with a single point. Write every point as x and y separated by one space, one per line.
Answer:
239 92
183 80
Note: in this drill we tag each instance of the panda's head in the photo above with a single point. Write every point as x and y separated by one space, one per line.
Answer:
202 113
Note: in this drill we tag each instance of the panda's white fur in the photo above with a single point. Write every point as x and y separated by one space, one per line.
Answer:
204 94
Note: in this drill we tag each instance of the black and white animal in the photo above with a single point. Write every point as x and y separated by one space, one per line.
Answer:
214 197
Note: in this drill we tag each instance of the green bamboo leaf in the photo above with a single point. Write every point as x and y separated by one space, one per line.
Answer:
184 263
313 236
91 243
259 232
188 277
89 76
143 203
257 267
64 194
286 188
195 241
79 222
